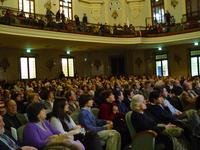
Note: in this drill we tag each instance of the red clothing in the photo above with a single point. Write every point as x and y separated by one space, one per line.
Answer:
106 111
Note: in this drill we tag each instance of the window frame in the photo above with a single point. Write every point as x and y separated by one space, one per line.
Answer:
161 59
154 5
29 7
68 71
198 60
28 67
61 7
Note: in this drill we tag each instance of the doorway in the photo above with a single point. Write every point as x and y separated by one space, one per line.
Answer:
117 65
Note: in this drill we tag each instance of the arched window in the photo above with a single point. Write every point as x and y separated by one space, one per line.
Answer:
157 8
27 6
66 6
193 9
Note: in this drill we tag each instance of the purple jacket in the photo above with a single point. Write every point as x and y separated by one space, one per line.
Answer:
36 136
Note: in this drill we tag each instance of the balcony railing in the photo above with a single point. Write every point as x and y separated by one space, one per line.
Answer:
11 16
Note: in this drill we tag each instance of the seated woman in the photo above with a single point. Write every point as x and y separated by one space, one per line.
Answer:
62 121
143 121
39 132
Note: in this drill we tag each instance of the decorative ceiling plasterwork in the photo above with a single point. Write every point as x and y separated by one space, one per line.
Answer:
95 14
92 1
93 10
135 8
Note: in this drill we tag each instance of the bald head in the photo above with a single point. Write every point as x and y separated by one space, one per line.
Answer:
11 107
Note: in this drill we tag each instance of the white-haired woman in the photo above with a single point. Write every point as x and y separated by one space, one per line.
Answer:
142 121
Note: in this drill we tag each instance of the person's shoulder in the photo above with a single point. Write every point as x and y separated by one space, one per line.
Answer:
20 115
6 116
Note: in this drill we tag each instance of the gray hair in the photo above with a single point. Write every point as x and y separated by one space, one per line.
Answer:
136 100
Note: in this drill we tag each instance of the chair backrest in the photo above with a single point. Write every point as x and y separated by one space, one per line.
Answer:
75 115
141 141
129 124
95 111
20 133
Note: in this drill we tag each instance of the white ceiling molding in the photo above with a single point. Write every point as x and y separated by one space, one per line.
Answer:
92 1
18 31
131 1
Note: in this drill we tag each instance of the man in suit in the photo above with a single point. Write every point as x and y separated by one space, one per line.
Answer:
12 118
7 142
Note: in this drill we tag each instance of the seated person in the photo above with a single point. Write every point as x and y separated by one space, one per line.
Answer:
158 108
49 101
7 142
142 121
173 110
12 118
102 127
39 132
106 107
188 96
62 121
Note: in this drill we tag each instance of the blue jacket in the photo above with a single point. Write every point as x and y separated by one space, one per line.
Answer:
89 121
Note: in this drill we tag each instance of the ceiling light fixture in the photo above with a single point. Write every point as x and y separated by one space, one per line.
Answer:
28 50
68 52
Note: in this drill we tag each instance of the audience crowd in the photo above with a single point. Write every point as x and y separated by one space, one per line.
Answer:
62 111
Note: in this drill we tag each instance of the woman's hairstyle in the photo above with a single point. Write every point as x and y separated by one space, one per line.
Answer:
58 108
58 111
155 94
118 93
136 100
33 110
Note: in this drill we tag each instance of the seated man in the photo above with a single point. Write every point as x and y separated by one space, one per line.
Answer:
102 127
12 118
7 143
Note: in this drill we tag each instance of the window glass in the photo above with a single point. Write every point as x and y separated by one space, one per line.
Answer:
24 68
71 67
27 6
32 68
158 68
165 67
28 67
161 65
157 7
68 66
66 6
194 66
65 66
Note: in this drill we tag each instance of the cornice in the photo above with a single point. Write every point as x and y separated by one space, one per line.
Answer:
92 1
